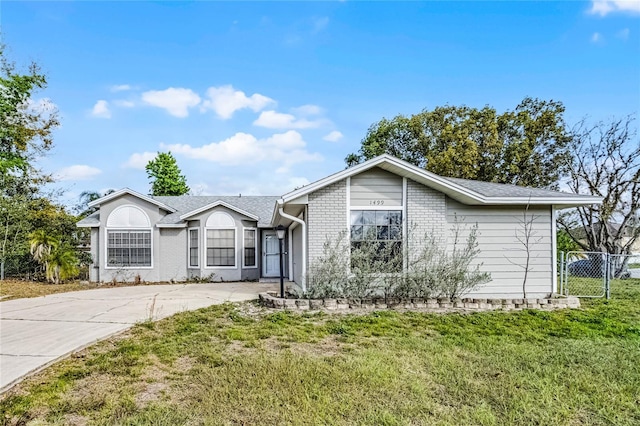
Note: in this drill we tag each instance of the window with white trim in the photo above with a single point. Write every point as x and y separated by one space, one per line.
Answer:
249 247
193 248
128 248
221 247
381 230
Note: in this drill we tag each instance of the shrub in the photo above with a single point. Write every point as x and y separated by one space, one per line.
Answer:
424 267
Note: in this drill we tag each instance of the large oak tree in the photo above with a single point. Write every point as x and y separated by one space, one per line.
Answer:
528 146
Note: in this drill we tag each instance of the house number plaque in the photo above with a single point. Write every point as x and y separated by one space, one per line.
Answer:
376 202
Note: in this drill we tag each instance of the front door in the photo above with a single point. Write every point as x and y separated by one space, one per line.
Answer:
270 254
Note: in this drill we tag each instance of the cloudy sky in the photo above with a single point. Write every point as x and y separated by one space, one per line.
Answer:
259 98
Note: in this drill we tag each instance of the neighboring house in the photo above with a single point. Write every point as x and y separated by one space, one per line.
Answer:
173 238
613 230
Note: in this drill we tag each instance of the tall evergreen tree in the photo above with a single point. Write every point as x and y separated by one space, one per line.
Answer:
165 176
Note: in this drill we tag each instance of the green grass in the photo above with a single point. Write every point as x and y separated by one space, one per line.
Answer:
223 366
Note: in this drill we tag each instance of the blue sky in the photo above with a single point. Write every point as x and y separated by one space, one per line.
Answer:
259 98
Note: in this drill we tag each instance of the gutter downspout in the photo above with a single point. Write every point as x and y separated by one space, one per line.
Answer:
303 279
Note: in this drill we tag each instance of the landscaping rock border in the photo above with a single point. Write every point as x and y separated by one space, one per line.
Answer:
418 304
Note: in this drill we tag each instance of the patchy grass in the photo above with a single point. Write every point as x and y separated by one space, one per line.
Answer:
222 365
16 289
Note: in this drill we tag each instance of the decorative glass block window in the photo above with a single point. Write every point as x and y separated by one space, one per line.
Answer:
128 248
221 247
193 247
382 231
250 247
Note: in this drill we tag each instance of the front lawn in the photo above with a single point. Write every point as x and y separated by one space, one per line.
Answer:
233 365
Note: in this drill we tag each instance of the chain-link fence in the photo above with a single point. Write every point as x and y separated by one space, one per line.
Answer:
589 274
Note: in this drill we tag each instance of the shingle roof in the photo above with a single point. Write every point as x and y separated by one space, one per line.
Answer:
89 221
489 189
261 206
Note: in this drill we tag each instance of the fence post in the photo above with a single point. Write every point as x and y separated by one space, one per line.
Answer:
561 273
607 282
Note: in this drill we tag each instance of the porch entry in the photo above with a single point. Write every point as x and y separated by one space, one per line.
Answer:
270 254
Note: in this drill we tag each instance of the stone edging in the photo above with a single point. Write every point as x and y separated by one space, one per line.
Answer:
419 304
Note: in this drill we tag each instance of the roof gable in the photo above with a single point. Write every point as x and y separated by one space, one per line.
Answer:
462 190
216 204
128 191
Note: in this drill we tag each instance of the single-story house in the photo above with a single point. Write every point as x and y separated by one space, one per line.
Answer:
232 238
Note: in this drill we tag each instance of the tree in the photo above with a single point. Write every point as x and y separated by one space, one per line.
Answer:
606 163
26 127
528 146
164 173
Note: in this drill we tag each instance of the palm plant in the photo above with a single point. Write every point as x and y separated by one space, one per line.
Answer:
63 263
41 244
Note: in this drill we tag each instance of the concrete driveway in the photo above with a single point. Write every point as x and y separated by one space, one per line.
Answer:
36 332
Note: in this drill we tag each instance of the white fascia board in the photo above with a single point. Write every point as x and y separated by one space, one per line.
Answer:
88 225
546 201
216 204
455 191
275 214
123 191
171 225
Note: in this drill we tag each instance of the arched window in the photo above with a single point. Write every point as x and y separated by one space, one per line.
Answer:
128 238
221 241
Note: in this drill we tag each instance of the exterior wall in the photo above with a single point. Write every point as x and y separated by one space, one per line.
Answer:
326 218
128 274
173 254
170 248
94 268
426 212
296 253
236 273
501 254
375 185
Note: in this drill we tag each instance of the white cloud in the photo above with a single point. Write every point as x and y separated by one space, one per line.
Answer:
277 120
176 101
101 109
334 136
261 184
596 37
604 7
244 149
123 103
77 172
120 88
139 161
306 110
623 34
320 24
225 100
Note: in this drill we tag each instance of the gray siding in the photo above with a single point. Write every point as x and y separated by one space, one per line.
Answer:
327 217
376 185
501 254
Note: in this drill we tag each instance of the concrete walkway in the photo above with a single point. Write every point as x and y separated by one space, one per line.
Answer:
36 332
